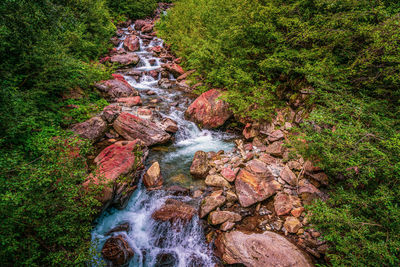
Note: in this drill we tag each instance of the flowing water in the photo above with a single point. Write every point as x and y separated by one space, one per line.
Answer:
155 243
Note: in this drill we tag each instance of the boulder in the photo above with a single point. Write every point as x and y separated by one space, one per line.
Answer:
117 250
139 24
131 43
92 129
266 249
169 125
208 110
288 176
121 159
251 188
130 101
217 181
152 179
116 88
199 167
275 149
147 28
111 112
210 203
132 127
173 211
174 69
126 59
226 226
218 217
275 136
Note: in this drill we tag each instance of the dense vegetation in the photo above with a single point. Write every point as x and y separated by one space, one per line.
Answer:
347 55
49 48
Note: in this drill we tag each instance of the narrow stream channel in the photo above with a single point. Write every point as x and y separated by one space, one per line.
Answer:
155 243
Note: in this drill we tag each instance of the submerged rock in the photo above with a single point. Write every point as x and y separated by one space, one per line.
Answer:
208 110
173 211
266 249
117 250
132 127
152 179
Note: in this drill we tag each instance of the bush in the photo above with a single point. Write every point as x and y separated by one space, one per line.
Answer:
346 54
46 216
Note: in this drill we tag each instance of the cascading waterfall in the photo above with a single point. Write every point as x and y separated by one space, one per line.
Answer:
155 243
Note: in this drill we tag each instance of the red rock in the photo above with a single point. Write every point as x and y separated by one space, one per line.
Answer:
92 129
229 174
248 147
199 167
111 112
266 249
157 49
154 74
211 202
226 226
113 162
258 168
282 204
117 250
251 188
275 149
147 28
139 24
116 88
208 110
173 211
130 101
249 131
218 217
126 59
174 68
132 127
268 159
131 43
169 125
297 212
275 136
288 176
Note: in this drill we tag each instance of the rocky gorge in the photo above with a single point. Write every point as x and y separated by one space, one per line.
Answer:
181 187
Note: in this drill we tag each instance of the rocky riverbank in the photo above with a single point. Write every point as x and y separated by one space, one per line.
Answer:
251 198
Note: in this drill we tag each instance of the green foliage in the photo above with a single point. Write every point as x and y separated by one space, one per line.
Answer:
346 54
133 9
46 216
